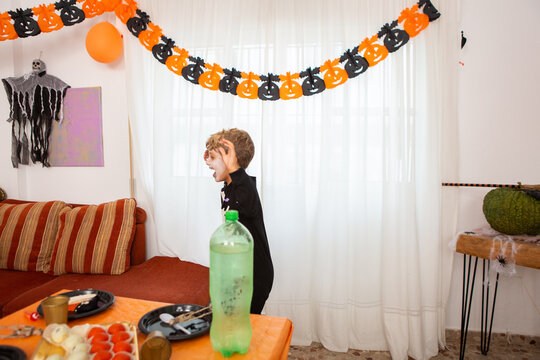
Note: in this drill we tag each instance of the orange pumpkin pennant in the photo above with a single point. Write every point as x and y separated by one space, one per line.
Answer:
210 79
334 75
176 63
7 31
126 11
290 89
374 53
248 88
150 37
92 8
47 20
414 21
110 5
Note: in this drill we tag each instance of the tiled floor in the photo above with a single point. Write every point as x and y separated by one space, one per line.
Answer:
501 347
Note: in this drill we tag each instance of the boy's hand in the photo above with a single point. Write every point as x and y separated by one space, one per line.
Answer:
228 154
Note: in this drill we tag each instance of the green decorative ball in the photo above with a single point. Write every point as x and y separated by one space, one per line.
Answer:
512 211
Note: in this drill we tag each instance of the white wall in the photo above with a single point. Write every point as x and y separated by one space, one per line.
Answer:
499 141
499 130
65 54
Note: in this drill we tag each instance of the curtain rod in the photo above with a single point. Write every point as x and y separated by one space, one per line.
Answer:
515 186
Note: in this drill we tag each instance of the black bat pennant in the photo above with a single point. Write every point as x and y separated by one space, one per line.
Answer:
163 50
269 90
312 83
24 24
229 83
69 13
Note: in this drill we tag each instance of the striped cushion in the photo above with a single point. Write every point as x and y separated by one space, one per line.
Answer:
94 239
27 234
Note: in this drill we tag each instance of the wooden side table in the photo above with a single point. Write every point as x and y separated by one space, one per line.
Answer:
471 245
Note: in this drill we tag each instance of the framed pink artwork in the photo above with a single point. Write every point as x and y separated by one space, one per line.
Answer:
78 139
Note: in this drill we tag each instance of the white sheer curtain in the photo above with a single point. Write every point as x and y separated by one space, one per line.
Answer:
349 179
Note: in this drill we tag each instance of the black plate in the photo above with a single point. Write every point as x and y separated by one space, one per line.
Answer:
11 353
105 300
151 322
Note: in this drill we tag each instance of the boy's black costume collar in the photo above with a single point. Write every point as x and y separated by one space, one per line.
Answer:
237 175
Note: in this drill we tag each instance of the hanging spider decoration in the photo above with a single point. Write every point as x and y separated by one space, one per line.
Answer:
502 260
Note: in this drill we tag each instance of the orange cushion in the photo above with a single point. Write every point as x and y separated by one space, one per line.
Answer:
94 239
27 234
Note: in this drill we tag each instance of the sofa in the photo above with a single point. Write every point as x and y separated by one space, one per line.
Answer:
31 270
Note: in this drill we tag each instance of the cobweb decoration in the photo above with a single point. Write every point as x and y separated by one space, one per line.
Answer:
503 260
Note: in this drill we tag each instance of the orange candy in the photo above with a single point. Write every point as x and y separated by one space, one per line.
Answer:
96 330
121 356
99 346
120 336
99 337
122 346
102 355
114 328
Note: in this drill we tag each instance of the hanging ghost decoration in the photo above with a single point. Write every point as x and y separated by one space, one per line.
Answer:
35 100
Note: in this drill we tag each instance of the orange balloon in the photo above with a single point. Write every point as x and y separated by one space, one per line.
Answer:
104 42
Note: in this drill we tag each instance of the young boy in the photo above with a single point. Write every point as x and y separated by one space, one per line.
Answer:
229 153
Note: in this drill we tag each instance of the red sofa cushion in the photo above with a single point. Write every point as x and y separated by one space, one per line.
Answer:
27 234
160 278
138 247
95 239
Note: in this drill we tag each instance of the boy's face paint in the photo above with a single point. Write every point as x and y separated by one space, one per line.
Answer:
215 162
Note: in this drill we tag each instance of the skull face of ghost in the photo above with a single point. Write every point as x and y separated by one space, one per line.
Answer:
38 66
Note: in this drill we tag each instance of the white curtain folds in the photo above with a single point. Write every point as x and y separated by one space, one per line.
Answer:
349 179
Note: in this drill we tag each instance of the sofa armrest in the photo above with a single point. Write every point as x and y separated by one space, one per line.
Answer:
138 247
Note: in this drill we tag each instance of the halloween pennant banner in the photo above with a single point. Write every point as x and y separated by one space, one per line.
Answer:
369 52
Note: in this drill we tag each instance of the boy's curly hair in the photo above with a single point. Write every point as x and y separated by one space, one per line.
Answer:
243 145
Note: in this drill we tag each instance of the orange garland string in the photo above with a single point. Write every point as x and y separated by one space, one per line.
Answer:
333 75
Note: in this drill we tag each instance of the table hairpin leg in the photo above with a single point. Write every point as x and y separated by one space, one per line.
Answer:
466 302
485 337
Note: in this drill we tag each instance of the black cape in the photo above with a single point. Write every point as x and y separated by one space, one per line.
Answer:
241 194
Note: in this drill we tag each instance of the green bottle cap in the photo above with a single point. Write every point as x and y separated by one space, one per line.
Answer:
231 215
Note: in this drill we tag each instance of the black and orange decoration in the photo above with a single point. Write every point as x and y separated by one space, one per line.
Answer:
369 52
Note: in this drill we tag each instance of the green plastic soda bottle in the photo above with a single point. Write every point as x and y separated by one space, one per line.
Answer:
231 286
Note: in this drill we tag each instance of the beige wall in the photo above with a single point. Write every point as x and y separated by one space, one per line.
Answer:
499 122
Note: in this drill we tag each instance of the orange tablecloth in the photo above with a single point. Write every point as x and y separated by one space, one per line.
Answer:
270 340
